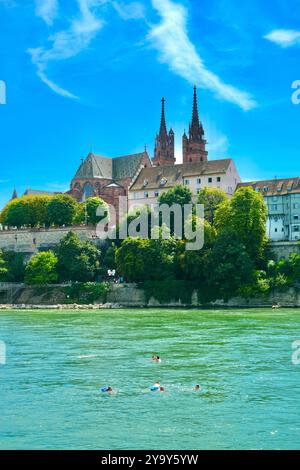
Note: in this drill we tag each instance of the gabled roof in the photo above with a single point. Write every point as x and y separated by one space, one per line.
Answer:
96 166
275 187
168 176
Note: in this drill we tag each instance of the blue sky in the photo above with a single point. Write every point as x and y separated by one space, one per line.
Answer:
84 74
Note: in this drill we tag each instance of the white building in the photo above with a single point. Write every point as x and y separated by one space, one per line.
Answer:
152 182
282 197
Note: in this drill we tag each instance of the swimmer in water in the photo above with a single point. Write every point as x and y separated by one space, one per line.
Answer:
156 358
197 388
107 390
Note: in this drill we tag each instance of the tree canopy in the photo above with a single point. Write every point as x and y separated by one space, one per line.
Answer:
41 269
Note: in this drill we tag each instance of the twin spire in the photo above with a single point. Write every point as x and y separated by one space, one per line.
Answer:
193 146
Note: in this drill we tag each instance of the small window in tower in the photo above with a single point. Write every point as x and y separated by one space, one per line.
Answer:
198 180
146 195
210 180
219 179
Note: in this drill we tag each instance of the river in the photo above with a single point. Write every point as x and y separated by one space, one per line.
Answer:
57 362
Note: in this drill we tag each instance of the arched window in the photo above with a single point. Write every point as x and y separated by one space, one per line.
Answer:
88 190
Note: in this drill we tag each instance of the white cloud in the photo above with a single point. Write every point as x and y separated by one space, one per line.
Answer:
284 37
68 43
130 11
47 10
170 38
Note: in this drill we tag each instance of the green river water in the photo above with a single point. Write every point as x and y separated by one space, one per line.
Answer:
57 362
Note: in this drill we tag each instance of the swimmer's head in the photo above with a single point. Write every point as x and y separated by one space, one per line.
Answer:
109 389
161 389
197 387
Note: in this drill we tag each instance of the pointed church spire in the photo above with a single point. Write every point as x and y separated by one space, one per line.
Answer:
164 143
15 195
194 147
196 129
163 126
195 117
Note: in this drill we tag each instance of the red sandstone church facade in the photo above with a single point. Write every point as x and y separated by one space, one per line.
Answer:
110 178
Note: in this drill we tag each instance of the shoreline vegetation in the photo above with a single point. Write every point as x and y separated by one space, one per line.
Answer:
236 261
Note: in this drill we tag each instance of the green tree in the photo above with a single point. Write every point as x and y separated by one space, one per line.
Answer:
195 264
139 260
38 209
3 268
92 205
211 198
245 214
231 267
178 195
17 213
16 266
62 210
77 260
41 269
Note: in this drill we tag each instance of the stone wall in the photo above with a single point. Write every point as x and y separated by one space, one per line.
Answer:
31 241
284 249
129 296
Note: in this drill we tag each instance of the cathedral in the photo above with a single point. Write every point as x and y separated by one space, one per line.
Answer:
110 178
142 179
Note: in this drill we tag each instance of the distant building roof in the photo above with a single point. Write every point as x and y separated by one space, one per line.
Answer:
275 187
168 176
37 192
96 166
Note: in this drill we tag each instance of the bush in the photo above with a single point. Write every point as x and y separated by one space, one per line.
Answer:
41 269
87 293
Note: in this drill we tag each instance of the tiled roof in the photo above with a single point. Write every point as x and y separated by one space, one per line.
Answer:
118 168
275 187
169 176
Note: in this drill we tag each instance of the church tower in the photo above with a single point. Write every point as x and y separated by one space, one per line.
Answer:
164 153
194 145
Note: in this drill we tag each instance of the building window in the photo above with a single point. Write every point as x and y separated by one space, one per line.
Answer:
274 198
198 180
88 190
274 207
219 179
210 180
296 205
187 182
296 217
156 194
198 190
276 230
146 195
296 228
